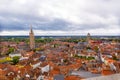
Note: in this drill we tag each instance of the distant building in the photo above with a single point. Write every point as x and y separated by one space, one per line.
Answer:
32 39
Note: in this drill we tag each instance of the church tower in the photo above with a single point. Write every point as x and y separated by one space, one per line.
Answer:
32 39
88 39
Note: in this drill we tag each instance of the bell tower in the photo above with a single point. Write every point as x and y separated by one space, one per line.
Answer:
32 39
88 39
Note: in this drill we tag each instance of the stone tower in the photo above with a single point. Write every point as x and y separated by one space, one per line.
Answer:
88 36
88 39
32 39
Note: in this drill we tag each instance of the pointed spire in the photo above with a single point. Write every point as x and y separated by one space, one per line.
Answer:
31 31
88 34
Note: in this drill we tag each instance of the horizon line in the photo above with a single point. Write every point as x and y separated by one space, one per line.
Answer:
60 35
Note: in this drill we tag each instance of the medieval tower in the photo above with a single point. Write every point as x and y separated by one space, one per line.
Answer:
32 39
88 39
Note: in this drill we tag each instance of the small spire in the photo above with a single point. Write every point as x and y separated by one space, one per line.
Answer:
31 31
88 34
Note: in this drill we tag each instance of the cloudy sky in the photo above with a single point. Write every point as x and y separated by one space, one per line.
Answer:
60 17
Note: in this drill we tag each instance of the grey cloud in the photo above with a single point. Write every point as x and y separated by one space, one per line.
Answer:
49 15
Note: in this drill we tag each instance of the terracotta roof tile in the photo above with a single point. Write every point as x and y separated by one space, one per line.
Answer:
72 78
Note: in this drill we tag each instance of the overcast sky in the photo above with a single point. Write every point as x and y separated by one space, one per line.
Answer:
60 17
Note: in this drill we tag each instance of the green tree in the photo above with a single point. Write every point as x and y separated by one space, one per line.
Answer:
88 47
10 50
114 57
15 59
